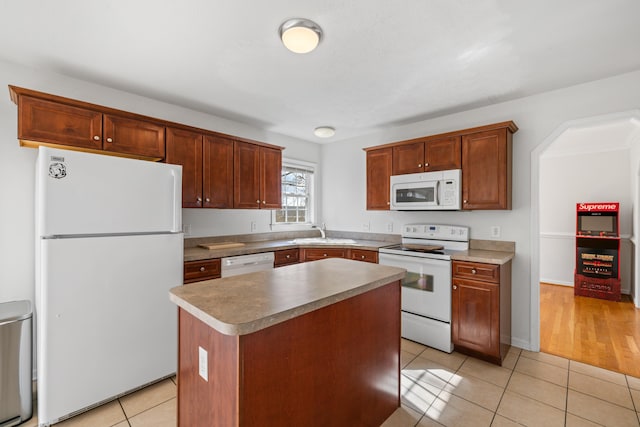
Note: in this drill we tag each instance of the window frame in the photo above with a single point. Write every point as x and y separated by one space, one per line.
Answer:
313 168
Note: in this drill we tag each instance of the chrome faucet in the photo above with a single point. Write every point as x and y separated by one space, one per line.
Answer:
321 229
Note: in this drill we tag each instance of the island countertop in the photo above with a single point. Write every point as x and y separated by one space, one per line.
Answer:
240 305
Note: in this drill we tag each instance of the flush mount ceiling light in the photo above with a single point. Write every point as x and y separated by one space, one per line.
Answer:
300 35
324 132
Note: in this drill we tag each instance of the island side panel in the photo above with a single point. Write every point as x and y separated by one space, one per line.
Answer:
213 402
339 365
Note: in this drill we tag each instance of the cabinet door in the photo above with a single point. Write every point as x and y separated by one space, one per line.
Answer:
54 123
185 148
378 175
475 316
130 136
408 158
270 178
246 175
486 170
218 172
443 154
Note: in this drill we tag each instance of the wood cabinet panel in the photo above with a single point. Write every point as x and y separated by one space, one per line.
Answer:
195 271
51 122
363 255
313 254
130 136
486 170
475 308
408 158
246 176
185 148
286 257
481 309
379 165
217 181
270 178
443 154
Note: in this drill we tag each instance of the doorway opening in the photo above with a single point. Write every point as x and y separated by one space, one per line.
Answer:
587 160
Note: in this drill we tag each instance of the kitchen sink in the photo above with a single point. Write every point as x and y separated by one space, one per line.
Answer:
323 241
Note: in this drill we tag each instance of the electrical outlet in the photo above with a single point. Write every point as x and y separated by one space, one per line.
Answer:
253 226
495 231
365 226
186 229
203 368
390 227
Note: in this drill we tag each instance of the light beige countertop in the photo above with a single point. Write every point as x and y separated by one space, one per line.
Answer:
487 251
240 305
198 253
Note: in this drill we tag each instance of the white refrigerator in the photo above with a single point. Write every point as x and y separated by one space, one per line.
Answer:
109 247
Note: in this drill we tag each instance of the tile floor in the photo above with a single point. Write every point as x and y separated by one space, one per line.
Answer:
439 389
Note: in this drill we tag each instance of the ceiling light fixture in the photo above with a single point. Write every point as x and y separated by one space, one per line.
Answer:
324 132
300 35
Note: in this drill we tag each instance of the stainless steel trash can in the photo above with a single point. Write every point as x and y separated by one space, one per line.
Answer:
16 405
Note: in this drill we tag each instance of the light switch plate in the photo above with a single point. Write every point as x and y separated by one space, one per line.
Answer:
203 365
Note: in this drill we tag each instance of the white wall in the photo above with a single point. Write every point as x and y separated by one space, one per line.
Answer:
17 172
567 179
536 116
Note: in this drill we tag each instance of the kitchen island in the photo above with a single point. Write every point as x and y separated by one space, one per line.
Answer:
311 344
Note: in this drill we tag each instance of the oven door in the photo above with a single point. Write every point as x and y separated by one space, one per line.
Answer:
426 289
414 195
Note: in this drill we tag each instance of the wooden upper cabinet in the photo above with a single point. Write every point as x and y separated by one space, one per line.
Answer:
486 169
427 156
270 178
257 175
246 175
132 136
408 158
218 172
379 165
185 148
50 122
443 154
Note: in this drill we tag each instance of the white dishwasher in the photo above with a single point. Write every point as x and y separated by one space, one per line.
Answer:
241 264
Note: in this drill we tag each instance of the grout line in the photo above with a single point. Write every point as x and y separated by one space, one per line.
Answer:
126 418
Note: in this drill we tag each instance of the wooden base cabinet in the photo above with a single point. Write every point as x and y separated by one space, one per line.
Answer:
481 309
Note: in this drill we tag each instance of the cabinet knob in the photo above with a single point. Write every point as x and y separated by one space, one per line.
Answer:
464 201
288 256
258 201
207 200
202 268
324 254
362 257
474 271
426 164
96 138
388 203
198 199
455 287
264 202
109 140
419 165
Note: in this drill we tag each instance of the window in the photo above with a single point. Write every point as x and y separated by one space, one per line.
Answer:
297 194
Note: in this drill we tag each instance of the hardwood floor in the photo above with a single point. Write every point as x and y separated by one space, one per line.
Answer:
590 330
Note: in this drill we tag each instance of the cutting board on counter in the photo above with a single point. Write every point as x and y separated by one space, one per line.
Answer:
221 245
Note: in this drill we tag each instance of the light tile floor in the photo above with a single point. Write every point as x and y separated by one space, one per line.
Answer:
439 389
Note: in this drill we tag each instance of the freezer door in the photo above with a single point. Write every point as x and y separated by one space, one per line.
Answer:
105 324
83 193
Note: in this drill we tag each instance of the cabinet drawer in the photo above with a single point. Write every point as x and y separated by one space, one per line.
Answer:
195 271
286 257
315 254
476 271
364 255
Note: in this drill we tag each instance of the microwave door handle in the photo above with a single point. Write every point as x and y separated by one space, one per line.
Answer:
437 193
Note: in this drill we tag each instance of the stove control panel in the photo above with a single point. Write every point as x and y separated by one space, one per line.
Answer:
435 231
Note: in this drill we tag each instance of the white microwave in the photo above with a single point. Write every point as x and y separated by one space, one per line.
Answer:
427 191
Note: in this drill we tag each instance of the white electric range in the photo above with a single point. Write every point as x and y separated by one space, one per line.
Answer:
425 252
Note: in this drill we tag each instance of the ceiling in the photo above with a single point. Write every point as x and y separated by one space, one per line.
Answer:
380 64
